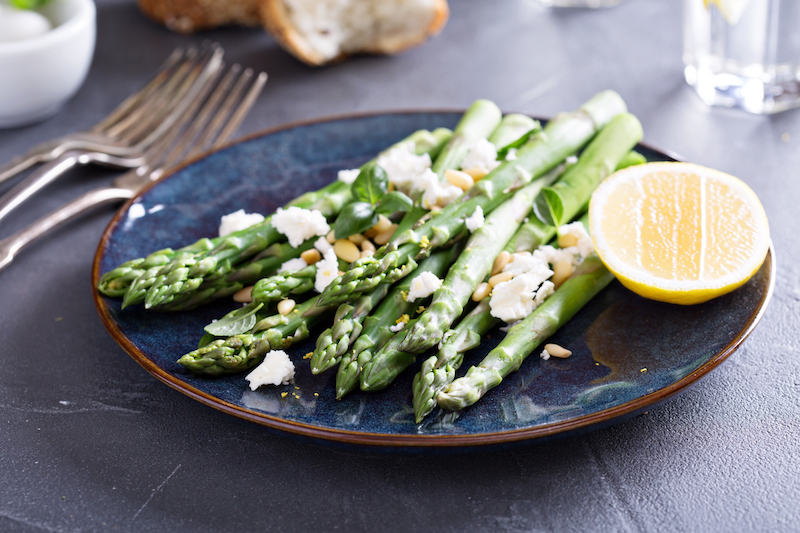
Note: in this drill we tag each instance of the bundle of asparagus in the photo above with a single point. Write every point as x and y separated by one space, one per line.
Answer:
377 328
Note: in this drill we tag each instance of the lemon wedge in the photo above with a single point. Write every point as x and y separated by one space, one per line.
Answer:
731 10
678 232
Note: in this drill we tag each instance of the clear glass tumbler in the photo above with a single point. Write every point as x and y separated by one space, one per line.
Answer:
744 53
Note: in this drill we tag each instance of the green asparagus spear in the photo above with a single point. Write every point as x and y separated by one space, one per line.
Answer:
559 203
478 122
387 363
512 128
561 137
242 352
375 331
471 268
590 277
188 274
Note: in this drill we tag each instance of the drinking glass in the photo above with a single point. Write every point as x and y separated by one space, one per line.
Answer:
743 53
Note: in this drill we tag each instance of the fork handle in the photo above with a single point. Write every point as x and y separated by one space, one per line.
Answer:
32 183
82 204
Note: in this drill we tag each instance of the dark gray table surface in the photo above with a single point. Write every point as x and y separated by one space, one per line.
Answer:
89 441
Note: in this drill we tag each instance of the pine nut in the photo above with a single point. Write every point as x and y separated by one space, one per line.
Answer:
476 172
346 250
367 246
243 296
371 232
462 180
311 256
385 236
503 258
331 237
561 273
357 238
567 240
481 292
285 307
500 278
383 224
557 351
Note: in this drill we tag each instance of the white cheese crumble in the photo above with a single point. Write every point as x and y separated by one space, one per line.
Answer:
348 176
323 245
276 369
511 155
238 220
525 262
397 327
545 355
436 193
403 166
293 265
513 300
584 245
423 286
327 270
299 224
483 154
475 220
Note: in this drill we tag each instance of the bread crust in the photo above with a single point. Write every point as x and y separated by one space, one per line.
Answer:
189 16
277 22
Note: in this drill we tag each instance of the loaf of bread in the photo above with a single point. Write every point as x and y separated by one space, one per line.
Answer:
315 31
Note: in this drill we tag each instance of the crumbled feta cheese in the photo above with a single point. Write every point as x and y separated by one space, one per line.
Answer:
576 229
553 255
436 193
238 220
293 265
299 224
475 220
323 245
513 300
327 270
403 166
545 355
511 155
276 369
547 288
397 327
423 286
483 154
525 262
348 176
572 159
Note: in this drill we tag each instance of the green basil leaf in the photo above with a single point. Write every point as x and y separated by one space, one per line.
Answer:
236 322
503 152
394 201
355 218
370 185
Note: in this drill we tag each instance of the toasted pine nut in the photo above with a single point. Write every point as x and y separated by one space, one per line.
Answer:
567 240
341 273
462 180
383 224
500 278
557 351
503 258
476 172
367 253
367 246
561 272
385 236
285 306
331 236
371 232
244 295
346 250
311 256
481 292
357 238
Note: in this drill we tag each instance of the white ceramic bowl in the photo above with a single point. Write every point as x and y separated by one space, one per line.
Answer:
39 74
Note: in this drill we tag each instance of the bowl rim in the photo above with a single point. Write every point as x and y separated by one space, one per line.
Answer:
85 15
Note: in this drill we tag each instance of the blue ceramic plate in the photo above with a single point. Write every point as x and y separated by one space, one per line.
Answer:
628 352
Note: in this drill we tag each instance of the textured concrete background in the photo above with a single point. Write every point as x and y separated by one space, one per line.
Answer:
90 442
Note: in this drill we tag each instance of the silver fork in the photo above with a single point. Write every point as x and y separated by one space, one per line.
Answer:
210 127
138 121
183 89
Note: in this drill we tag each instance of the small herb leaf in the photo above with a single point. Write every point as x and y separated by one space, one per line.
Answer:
355 218
236 322
371 184
394 201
